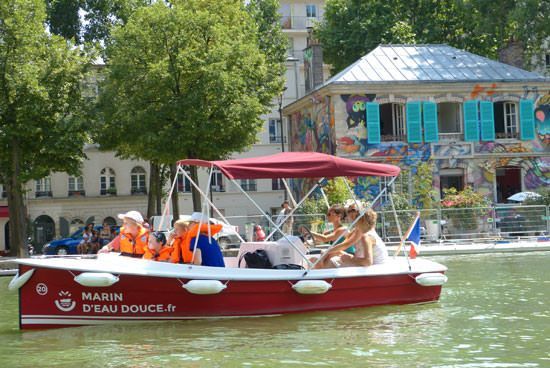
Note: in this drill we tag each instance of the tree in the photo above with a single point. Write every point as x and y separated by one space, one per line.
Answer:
41 123
98 17
187 79
352 28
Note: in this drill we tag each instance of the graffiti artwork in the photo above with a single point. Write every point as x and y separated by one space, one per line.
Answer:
542 118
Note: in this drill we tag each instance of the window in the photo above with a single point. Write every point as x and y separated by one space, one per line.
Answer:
277 184
184 184
107 181
392 122
547 60
3 193
217 181
137 179
75 225
451 178
43 187
275 131
311 11
249 185
76 186
449 116
506 119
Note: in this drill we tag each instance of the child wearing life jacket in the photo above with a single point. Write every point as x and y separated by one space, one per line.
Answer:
157 250
180 253
133 238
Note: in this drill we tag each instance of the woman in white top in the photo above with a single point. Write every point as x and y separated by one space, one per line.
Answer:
369 247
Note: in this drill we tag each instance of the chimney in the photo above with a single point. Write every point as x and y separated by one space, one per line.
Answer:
313 62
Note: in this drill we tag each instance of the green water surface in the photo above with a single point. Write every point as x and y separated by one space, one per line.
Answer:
494 312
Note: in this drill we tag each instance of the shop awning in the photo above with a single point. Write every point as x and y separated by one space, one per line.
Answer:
4 211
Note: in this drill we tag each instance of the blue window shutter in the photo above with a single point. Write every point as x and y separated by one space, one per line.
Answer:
487 121
431 133
414 122
373 122
471 128
527 120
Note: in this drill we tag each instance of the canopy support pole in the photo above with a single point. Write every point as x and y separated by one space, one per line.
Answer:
277 228
294 209
168 202
209 202
399 230
204 207
361 214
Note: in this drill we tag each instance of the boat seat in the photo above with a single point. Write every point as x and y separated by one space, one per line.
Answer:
279 252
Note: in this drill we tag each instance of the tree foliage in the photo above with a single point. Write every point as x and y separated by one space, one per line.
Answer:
352 28
188 79
41 114
336 191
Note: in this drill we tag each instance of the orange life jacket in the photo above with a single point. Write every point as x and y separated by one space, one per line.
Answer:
163 255
133 247
181 245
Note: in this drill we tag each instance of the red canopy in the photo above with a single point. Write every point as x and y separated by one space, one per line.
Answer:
4 211
296 165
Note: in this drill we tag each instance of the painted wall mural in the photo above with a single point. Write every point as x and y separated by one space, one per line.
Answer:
337 126
312 129
542 118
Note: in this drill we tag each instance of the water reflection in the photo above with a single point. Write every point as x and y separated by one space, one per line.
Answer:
493 313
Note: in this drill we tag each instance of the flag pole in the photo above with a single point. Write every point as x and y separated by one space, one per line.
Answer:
407 233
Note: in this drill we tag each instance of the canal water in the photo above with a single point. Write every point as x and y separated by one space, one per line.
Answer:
494 312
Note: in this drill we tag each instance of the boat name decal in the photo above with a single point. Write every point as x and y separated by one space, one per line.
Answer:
115 307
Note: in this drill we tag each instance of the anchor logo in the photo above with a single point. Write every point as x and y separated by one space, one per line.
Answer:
65 304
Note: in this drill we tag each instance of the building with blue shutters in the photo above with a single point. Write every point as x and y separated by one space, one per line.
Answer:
480 123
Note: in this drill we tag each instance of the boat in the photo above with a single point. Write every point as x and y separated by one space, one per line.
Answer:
61 291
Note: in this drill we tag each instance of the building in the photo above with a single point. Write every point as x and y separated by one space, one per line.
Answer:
59 204
481 123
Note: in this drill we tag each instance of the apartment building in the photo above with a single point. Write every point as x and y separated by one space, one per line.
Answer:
59 203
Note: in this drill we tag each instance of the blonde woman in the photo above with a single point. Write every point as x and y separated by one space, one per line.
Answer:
369 247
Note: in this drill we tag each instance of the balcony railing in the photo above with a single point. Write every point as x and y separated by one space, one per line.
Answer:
42 194
291 22
218 188
507 135
250 187
451 137
393 138
138 191
77 193
276 139
110 191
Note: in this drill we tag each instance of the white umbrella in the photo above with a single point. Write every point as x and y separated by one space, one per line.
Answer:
522 196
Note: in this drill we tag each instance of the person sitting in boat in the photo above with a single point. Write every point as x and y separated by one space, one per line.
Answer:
335 216
133 237
208 252
369 247
180 253
157 250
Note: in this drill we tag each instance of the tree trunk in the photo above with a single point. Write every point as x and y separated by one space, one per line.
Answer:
195 195
16 207
153 183
175 205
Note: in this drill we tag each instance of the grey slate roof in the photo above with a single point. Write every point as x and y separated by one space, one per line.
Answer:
428 63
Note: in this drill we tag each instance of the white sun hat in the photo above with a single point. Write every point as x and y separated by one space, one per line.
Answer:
132 215
199 217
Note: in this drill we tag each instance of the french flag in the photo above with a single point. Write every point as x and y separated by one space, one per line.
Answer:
413 236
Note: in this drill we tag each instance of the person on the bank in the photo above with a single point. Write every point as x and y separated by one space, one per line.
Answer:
85 243
133 237
105 235
369 247
157 250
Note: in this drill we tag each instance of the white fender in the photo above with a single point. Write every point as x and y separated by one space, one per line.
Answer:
96 279
311 287
204 287
431 279
19 281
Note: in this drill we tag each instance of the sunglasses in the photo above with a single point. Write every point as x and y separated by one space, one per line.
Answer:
352 210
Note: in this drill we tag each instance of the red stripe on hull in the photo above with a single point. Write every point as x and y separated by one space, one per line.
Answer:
52 295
